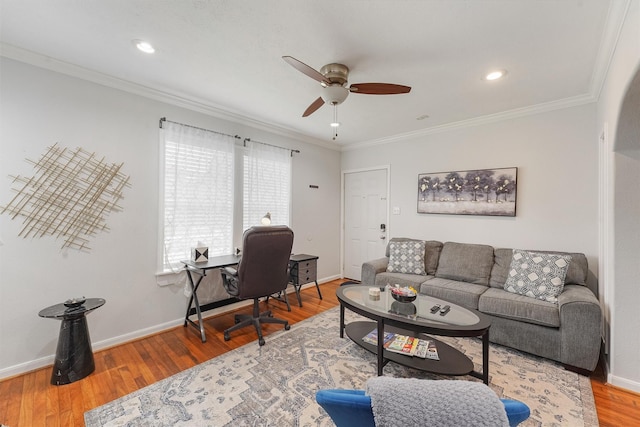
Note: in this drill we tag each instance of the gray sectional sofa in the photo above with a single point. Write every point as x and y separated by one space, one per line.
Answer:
566 330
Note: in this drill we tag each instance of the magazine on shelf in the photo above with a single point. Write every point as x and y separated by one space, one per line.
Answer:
403 344
427 350
372 337
400 344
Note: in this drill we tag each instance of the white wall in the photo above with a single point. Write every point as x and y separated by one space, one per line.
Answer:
39 108
556 157
621 297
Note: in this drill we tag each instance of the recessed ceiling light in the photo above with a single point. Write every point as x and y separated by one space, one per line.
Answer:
334 124
495 75
144 46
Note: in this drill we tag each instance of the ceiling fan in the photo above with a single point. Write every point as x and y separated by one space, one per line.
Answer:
333 78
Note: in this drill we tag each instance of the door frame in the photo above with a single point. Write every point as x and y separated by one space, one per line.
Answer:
387 169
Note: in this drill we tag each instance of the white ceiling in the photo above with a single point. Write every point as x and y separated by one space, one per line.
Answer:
224 56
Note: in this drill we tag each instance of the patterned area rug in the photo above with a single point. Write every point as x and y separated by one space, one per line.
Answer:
275 385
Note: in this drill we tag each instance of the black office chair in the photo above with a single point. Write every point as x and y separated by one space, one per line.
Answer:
261 272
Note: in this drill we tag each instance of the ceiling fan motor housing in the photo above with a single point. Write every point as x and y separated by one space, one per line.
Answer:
335 73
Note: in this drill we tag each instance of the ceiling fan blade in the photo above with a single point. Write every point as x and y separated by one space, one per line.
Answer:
313 107
305 69
379 88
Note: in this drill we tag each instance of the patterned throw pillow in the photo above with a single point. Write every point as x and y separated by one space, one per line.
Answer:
407 257
537 275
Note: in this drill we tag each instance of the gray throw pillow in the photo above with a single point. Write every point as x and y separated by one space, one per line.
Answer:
407 257
537 275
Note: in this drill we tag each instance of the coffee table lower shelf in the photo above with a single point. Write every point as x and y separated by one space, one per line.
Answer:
452 361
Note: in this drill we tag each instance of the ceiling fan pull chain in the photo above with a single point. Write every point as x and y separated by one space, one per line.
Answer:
335 123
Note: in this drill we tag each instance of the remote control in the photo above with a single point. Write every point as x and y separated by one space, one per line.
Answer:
444 310
435 308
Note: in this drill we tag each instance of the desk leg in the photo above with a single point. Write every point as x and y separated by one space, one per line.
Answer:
318 288
194 299
297 287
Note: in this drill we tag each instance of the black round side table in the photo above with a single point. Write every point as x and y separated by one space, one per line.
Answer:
74 357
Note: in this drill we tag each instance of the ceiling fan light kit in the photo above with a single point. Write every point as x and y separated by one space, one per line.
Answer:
333 78
334 94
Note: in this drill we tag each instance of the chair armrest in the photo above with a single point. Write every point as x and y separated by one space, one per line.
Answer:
229 271
371 268
347 407
230 280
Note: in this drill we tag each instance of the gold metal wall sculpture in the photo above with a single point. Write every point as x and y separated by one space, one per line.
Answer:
68 197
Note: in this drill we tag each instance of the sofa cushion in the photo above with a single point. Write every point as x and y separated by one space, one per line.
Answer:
465 262
403 279
576 273
462 293
500 303
537 275
406 257
432 249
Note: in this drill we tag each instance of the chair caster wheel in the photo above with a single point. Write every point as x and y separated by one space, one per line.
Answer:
226 337
261 342
287 327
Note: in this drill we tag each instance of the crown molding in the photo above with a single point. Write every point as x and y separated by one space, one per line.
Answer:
616 16
190 103
481 120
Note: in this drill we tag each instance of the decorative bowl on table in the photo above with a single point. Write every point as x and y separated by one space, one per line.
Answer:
74 302
405 294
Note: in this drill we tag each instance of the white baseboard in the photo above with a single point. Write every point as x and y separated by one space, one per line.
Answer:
627 384
22 368
41 362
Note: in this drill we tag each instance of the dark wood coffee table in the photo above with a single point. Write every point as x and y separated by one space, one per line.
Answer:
415 319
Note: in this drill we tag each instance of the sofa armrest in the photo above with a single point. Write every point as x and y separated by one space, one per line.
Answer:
371 268
580 324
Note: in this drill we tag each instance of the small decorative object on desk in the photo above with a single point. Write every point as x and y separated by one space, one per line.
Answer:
374 294
74 302
406 294
200 254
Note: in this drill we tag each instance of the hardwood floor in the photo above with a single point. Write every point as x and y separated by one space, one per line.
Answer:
29 400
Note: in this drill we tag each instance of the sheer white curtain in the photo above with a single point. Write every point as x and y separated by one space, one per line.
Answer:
197 192
266 184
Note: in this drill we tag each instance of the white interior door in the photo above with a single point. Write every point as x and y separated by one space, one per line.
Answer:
365 219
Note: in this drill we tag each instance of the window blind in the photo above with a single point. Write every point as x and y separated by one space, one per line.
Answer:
266 184
198 192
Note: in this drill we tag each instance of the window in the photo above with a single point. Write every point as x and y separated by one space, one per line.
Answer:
266 184
199 194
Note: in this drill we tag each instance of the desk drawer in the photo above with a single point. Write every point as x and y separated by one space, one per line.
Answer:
304 272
